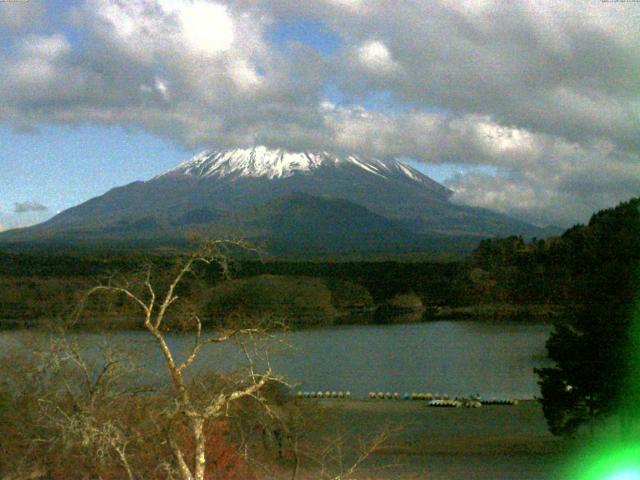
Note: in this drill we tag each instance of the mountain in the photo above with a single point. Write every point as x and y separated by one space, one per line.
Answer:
316 201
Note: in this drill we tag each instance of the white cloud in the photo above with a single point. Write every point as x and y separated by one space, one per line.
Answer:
45 47
352 5
133 26
564 185
497 140
546 92
208 27
375 56
433 137
162 88
244 74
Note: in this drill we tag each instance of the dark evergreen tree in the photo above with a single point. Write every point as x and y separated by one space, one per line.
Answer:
593 349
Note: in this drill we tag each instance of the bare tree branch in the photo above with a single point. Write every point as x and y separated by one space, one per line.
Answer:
216 252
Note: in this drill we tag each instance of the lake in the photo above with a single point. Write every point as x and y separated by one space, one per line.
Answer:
453 357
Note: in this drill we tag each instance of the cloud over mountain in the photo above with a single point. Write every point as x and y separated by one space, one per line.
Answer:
29 206
545 91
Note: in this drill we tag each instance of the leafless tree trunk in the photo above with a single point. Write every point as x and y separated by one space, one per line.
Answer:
155 305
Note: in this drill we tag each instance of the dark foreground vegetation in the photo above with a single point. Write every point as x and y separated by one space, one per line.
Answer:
58 426
596 349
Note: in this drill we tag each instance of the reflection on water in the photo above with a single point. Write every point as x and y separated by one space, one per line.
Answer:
454 357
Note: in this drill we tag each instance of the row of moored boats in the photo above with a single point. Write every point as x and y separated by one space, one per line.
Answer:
434 400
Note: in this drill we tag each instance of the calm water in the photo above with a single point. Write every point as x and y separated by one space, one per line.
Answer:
454 357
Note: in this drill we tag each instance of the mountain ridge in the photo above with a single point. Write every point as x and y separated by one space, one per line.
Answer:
218 192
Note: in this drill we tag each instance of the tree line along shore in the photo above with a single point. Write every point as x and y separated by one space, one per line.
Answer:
36 289
503 278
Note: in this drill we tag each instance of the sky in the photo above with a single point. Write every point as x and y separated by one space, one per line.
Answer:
526 107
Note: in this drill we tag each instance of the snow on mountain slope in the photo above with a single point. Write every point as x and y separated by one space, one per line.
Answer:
278 163
253 162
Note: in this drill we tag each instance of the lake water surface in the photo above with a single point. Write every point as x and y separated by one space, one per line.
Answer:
454 357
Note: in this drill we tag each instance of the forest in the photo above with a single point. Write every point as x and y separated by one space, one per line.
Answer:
508 277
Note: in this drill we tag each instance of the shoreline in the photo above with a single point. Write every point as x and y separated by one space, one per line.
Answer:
495 442
373 316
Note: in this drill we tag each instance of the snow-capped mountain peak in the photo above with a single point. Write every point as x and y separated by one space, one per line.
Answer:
343 203
250 162
279 163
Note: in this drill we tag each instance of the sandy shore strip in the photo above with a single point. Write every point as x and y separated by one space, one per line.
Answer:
495 441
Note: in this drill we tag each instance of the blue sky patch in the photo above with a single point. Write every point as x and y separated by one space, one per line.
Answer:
312 33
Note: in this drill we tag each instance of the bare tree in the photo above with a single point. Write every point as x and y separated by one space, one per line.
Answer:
332 461
66 398
89 416
155 304
90 387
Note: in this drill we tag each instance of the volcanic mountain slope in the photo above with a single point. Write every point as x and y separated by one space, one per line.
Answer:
282 196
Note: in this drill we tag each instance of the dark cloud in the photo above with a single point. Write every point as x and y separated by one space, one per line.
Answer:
24 207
